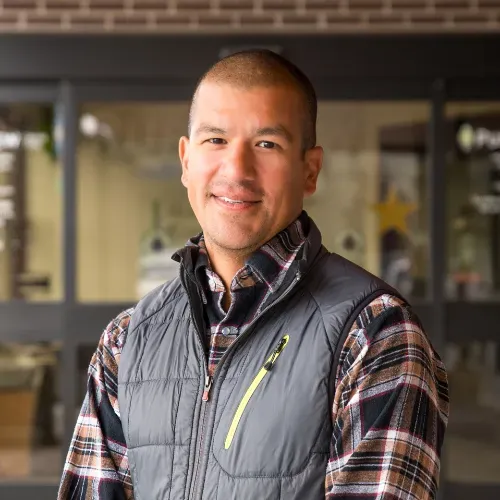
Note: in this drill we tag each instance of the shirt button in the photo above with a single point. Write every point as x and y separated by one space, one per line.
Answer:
226 330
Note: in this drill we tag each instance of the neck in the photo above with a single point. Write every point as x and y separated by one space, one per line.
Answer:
226 266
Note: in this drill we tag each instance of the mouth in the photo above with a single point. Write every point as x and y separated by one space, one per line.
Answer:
235 203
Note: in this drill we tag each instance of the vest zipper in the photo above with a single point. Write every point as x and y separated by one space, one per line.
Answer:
204 415
266 368
209 380
206 389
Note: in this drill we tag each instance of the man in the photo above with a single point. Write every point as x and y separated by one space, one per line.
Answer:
270 368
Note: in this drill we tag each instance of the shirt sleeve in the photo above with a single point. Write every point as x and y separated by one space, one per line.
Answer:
97 466
390 409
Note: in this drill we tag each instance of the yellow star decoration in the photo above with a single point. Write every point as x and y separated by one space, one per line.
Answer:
393 213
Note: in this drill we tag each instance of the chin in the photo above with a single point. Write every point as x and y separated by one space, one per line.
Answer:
229 241
236 235
236 246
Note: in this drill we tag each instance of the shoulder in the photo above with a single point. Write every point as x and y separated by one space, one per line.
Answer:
334 277
387 347
115 334
384 310
388 330
158 304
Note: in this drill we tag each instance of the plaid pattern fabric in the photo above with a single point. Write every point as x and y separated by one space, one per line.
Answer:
96 467
390 408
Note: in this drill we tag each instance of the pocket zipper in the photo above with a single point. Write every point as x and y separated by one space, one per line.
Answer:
268 366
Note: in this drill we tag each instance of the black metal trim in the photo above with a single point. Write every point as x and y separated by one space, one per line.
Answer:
28 93
90 320
436 189
69 114
473 89
466 491
68 386
372 89
436 192
331 89
425 314
110 91
56 57
22 491
472 321
35 322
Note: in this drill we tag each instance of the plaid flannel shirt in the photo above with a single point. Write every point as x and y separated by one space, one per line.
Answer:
390 408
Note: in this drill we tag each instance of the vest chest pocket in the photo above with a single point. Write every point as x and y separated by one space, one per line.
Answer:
268 366
273 416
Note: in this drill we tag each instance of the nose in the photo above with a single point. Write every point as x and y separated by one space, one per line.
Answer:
238 163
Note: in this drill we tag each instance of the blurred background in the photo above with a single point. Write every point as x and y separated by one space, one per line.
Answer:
94 95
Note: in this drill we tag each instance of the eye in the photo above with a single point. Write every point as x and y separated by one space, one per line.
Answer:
267 144
216 140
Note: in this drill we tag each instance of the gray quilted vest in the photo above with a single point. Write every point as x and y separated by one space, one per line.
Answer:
263 429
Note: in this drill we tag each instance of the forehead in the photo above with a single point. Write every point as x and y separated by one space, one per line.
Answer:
281 102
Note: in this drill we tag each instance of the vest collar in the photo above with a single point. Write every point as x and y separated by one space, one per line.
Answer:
187 256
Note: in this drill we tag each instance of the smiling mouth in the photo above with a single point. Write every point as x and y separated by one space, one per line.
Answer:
234 202
230 200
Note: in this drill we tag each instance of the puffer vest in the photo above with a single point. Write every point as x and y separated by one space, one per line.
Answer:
261 429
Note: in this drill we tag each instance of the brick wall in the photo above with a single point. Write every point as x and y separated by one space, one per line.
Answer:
249 16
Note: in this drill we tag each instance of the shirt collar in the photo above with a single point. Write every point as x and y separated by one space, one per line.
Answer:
268 265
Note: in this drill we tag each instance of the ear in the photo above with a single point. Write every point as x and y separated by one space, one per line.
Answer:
313 162
184 157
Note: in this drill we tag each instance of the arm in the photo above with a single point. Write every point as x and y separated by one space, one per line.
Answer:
390 409
97 466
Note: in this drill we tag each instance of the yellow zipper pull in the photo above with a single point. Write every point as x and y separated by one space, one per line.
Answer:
208 386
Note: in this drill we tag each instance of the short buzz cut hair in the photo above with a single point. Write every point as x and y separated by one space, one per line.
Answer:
262 67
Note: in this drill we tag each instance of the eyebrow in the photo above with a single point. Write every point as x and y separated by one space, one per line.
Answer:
206 128
278 130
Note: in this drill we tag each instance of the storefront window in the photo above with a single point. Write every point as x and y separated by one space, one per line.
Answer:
133 212
473 201
31 420
371 204
30 205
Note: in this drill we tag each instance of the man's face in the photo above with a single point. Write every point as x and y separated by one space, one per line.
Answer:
244 167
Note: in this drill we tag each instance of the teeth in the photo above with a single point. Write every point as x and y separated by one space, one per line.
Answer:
229 200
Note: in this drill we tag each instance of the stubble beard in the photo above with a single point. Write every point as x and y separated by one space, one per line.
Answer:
238 246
